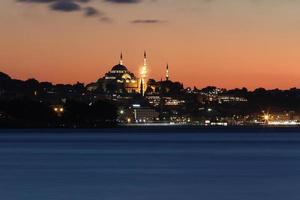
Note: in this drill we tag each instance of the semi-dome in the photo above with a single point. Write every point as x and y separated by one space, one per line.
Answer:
119 67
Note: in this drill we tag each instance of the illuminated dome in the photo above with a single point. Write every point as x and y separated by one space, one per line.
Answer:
119 67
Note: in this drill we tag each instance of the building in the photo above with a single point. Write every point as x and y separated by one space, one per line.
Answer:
145 115
137 113
120 80
231 99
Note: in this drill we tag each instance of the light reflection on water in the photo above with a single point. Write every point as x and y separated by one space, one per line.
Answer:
122 166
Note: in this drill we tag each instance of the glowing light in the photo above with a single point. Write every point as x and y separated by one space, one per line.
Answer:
136 105
58 110
143 72
207 121
267 117
284 123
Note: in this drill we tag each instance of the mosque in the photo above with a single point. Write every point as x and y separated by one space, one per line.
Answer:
120 80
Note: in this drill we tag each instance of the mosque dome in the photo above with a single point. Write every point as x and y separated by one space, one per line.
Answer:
119 67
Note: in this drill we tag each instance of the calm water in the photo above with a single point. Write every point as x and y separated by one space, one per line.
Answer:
149 166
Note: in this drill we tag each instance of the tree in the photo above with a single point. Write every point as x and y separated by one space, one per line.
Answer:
103 111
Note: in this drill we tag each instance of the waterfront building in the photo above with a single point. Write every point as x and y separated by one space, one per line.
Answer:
138 113
144 114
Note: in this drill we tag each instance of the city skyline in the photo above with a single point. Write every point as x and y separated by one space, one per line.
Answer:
227 44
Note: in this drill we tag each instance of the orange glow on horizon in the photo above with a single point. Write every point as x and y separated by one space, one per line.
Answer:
228 45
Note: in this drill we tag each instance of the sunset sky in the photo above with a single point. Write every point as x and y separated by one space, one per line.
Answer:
226 43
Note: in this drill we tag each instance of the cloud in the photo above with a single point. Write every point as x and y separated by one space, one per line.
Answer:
51 1
89 11
124 1
71 6
37 1
147 21
65 6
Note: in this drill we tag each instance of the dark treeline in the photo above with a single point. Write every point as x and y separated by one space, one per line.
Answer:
27 113
269 100
31 104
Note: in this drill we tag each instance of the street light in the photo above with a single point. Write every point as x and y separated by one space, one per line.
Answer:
59 110
267 118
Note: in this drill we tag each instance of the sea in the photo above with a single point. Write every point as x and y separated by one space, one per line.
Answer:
150 164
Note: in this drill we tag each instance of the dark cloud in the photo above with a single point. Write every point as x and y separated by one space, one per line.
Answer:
65 6
89 11
37 1
124 1
51 1
147 21
70 6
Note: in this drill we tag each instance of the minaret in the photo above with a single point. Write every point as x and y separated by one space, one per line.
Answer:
167 73
145 59
121 59
144 72
142 87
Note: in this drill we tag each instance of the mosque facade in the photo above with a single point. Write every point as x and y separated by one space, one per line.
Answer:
120 80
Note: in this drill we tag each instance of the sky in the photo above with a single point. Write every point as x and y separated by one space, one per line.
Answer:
225 43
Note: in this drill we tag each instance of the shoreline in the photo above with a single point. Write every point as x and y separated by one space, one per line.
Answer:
159 129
